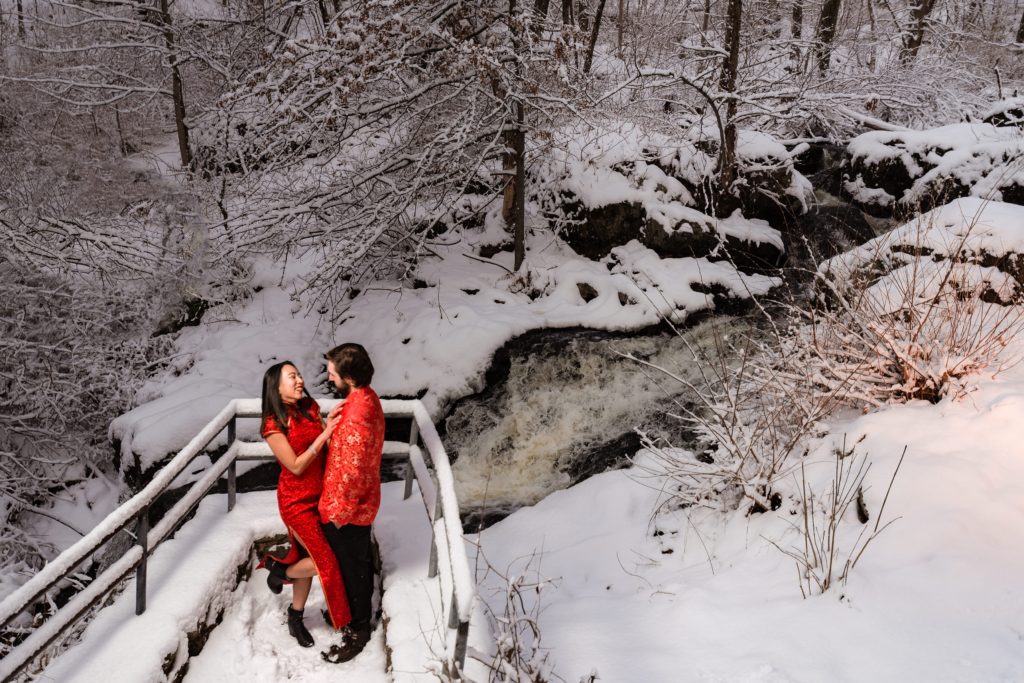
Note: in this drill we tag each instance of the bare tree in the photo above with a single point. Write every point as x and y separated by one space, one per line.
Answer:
827 26
727 83
912 40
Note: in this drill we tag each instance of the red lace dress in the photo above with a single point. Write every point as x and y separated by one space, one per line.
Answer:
298 497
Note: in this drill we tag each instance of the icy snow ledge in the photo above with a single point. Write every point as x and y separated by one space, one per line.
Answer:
969 229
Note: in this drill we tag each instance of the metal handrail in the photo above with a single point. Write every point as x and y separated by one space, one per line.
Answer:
439 501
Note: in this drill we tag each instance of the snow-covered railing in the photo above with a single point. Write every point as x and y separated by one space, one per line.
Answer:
457 586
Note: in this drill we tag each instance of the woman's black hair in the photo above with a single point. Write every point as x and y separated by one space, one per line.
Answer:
273 406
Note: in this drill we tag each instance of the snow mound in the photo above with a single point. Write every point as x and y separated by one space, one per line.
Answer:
898 171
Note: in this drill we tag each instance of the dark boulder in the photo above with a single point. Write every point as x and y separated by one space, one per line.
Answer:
595 232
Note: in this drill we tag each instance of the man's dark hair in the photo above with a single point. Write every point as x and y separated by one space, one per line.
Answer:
352 361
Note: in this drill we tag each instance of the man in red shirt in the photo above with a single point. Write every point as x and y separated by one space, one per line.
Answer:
351 493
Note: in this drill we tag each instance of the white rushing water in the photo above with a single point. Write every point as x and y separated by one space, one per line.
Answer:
562 399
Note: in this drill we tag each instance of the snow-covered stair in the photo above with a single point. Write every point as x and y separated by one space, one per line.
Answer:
192 585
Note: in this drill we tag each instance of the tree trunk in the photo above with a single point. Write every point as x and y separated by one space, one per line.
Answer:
21 20
772 12
513 208
177 87
1020 30
566 12
826 33
540 15
540 7
621 21
325 16
912 41
727 83
871 22
593 37
705 24
519 234
796 30
582 16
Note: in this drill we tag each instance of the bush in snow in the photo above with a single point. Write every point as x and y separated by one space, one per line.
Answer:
72 357
518 655
826 555
914 314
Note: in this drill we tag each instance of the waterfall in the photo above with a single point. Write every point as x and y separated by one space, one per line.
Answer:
568 393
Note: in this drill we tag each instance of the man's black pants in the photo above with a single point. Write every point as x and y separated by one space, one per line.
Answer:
351 545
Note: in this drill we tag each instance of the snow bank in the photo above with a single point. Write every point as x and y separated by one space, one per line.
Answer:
970 229
702 596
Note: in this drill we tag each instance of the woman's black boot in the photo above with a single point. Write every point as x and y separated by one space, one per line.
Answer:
298 629
277 576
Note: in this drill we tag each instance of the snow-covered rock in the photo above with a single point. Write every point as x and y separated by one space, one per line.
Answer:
602 191
899 172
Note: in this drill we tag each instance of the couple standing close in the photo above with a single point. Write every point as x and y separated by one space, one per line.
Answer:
327 503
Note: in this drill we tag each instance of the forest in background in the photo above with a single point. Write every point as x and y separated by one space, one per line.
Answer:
355 131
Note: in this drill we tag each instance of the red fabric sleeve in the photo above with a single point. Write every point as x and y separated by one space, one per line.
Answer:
269 427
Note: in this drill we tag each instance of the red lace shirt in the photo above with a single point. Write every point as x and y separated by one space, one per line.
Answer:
351 493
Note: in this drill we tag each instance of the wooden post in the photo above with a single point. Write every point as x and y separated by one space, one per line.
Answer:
461 637
232 485
142 538
453 610
414 437
438 514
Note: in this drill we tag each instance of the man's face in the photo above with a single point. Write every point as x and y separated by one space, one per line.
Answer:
341 386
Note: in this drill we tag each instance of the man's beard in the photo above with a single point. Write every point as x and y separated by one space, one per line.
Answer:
342 391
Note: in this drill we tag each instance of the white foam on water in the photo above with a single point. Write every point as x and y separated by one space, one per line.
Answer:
559 403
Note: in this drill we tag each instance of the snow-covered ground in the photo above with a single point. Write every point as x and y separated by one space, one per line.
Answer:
704 596
190 582
634 590
676 596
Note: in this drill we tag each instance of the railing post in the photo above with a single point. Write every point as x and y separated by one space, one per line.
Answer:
453 612
414 437
142 538
461 638
438 514
231 467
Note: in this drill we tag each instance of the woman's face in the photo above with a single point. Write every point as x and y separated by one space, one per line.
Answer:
291 384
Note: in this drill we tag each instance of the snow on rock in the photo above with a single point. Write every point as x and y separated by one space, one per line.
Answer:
606 187
1007 112
898 171
989 234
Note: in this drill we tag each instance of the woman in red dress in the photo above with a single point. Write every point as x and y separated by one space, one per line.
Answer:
293 428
